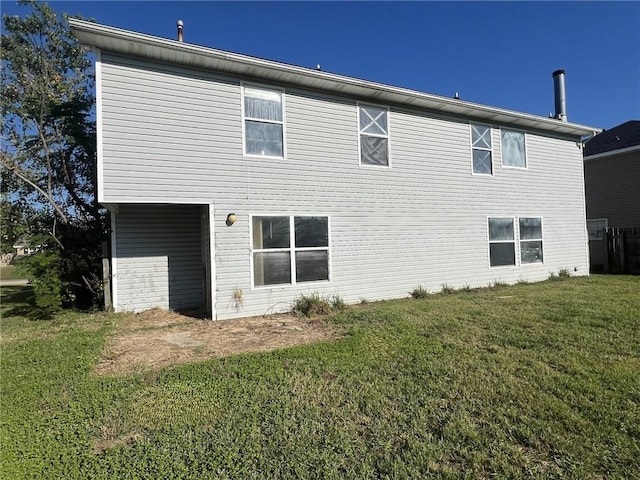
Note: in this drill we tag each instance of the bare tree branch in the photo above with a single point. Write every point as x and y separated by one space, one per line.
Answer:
9 165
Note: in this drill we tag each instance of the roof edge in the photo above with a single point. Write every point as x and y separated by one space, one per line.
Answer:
610 153
123 41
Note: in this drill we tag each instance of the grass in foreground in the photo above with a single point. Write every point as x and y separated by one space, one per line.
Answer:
529 381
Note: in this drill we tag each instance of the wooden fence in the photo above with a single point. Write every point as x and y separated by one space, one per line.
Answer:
623 250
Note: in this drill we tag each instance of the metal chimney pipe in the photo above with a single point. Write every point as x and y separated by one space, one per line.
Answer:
560 95
180 25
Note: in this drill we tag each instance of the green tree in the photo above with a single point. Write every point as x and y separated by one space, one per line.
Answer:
48 148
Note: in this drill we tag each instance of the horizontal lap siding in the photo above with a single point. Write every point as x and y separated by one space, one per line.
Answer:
612 186
420 222
423 221
158 259
168 133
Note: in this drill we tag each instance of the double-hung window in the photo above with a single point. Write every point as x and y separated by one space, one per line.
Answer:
530 240
513 149
374 135
289 250
503 241
502 244
263 122
481 149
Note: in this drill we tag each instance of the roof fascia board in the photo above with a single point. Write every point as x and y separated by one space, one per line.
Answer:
612 153
156 48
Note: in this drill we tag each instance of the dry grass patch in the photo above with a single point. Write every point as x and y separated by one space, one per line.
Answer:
157 338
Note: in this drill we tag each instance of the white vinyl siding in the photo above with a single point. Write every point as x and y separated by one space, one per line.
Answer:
174 134
158 257
513 147
374 135
481 149
263 121
287 250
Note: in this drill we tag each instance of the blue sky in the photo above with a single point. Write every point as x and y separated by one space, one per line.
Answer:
495 53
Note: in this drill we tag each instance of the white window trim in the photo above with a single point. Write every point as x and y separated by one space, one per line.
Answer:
541 240
526 149
387 136
490 150
244 119
292 249
516 240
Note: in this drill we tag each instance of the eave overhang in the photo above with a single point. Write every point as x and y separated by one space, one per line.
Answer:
134 44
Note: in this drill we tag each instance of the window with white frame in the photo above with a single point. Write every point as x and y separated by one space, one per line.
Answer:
502 244
374 135
289 250
263 122
503 240
513 149
530 240
481 149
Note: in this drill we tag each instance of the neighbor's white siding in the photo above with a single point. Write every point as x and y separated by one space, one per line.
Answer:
158 257
170 134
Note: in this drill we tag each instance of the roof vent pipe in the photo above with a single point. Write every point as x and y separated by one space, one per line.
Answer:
560 95
180 25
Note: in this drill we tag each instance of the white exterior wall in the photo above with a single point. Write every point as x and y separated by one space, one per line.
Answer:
172 135
157 259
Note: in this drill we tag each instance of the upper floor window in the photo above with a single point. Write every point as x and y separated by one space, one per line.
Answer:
513 149
481 149
263 122
374 135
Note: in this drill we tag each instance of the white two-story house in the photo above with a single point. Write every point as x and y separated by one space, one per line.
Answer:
237 183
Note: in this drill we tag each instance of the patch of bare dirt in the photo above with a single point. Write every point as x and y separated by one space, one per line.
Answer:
158 338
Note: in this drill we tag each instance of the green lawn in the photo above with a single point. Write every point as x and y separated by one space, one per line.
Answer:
8 272
529 381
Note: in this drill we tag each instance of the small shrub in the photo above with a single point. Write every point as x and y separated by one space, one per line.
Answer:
564 273
447 289
337 303
314 304
419 292
311 305
363 301
43 269
497 283
467 288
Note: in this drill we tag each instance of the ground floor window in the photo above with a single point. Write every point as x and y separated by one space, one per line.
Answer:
503 242
289 249
502 245
530 240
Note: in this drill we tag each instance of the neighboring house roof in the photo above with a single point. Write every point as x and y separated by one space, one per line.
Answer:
22 242
172 51
623 137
